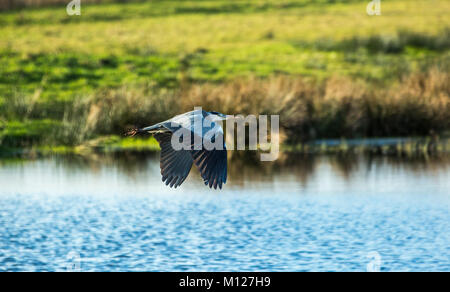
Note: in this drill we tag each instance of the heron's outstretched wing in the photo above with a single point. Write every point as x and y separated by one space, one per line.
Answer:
212 165
175 165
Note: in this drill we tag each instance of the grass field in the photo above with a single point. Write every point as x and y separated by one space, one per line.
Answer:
67 79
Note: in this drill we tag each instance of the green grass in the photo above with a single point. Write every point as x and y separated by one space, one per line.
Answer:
50 62
213 40
114 143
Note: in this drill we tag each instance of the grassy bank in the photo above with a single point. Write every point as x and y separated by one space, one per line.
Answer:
339 107
327 68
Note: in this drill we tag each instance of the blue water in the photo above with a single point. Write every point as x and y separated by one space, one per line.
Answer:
311 215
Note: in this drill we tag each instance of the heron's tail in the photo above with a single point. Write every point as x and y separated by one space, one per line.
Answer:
132 132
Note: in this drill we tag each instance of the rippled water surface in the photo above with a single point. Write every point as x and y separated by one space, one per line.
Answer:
299 214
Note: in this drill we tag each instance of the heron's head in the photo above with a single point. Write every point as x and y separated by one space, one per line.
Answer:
218 116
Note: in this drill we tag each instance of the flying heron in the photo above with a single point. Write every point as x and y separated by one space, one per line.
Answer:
177 163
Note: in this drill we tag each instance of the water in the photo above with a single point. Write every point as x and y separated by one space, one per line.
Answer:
112 213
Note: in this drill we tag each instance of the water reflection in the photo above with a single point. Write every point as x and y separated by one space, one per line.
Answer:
302 212
244 170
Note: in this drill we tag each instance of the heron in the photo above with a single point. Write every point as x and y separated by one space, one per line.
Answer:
176 164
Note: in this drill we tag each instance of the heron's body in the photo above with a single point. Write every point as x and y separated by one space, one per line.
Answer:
176 164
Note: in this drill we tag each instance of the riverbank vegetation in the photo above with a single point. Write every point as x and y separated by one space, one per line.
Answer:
328 69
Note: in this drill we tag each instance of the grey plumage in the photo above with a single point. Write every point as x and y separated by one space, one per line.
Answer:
176 165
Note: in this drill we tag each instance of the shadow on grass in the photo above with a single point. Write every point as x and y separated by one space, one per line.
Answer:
383 44
137 9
